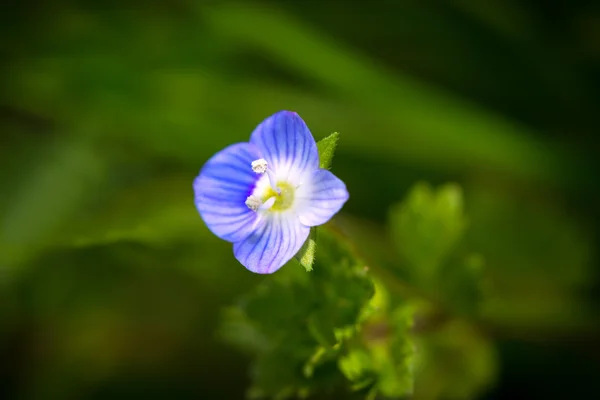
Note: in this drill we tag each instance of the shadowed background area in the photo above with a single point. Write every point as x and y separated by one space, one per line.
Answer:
110 284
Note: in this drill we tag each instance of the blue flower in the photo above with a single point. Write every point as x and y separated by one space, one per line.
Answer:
263 196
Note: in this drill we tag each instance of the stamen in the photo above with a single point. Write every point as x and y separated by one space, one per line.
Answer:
253 203
273 181
268 204
259 166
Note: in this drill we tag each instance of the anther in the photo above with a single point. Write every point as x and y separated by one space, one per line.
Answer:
253 202
259 166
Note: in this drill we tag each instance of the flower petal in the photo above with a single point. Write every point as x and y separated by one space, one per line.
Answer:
221 189
280 237
287 144
320 197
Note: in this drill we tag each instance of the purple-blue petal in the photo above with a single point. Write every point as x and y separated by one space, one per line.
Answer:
286 143
321 197
221 189
279 238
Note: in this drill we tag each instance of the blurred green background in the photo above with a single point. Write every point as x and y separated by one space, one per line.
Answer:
110 284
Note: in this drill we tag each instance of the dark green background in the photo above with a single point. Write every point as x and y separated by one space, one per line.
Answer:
111 285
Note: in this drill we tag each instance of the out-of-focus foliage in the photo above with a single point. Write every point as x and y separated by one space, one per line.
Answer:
456 361
111 286
297 323
377 351
427 230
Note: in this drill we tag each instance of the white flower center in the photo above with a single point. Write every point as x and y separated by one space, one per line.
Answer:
272 193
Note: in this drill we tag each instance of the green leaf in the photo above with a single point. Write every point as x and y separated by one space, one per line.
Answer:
326 148
397 378
426 227
355 365
383 359
306 255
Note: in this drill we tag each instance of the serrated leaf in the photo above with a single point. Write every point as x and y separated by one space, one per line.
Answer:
426 227
306 255
385 358
326 149
306 319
